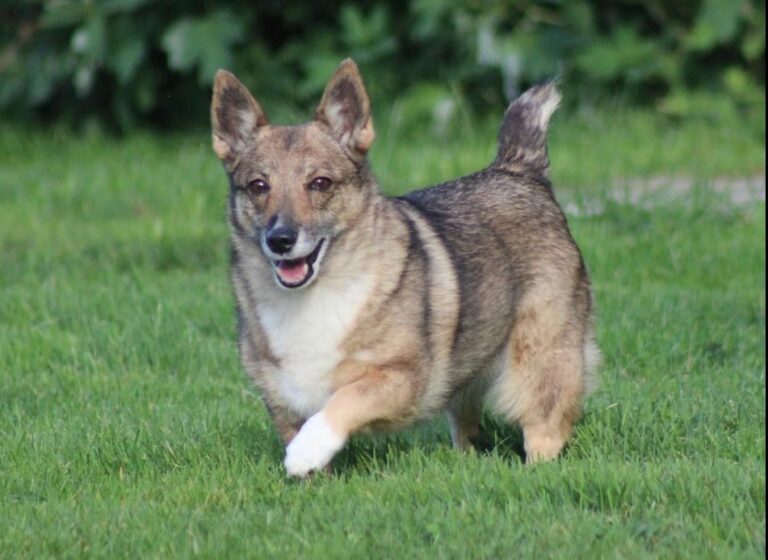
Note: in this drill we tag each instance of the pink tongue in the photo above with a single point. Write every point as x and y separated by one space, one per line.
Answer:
292 272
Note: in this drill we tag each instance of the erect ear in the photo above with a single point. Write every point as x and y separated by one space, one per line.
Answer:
346 110
235 116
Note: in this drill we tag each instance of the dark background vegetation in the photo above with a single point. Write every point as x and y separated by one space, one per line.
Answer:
133 62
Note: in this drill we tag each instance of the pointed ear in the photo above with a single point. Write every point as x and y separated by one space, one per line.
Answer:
235 116
346 110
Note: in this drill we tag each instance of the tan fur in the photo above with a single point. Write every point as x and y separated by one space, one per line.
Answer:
417 305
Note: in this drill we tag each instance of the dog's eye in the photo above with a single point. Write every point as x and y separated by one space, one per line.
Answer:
320 184
258 186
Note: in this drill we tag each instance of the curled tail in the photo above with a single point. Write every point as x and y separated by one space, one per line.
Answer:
523 134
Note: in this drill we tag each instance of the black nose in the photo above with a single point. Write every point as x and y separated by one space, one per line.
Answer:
281 239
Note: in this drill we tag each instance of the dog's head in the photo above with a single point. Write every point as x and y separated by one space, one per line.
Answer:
295 189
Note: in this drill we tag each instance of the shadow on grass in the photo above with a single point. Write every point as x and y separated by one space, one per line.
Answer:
368 454
396 451
501 438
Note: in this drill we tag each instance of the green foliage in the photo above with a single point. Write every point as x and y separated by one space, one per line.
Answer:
128 60
204 43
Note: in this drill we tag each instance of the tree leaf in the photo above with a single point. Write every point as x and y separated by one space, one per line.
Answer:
63 13
128 48
717 22
204 43
121 6
89 40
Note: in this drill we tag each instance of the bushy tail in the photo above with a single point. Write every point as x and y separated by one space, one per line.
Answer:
523 135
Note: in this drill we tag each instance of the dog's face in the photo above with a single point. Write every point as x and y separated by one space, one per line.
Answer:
295 189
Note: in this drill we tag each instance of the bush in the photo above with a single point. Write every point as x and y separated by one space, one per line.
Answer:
128 61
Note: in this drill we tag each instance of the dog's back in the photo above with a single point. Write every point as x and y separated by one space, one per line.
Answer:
507 237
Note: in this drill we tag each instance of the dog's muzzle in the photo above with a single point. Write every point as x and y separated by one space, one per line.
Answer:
295 273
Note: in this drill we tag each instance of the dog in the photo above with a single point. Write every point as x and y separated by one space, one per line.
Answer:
358 312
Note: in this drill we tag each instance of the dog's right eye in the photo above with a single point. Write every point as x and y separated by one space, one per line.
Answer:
258 186
320 184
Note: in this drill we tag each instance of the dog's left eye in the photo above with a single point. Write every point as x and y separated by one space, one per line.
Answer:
258 186
320 184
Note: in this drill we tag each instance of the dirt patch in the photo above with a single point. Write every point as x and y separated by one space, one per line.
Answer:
655 191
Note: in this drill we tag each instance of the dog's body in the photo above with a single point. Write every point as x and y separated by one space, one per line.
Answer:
468 291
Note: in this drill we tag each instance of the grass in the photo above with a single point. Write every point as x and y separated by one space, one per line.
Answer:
128 430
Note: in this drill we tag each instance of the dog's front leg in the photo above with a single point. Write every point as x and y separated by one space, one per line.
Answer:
381 394
285 422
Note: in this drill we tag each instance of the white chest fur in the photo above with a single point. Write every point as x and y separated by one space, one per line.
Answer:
306 330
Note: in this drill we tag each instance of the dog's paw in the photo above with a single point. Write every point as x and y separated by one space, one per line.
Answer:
313 447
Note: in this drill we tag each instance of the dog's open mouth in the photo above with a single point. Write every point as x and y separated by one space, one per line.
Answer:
294 273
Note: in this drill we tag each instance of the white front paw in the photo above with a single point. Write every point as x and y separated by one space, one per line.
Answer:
313 447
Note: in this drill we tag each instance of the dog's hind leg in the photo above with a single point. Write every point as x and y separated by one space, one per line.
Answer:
464 413
285 422
543 382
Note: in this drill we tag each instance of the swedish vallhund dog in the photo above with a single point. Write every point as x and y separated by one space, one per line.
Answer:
359 312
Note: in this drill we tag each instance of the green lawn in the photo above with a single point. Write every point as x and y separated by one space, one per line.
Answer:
127 428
